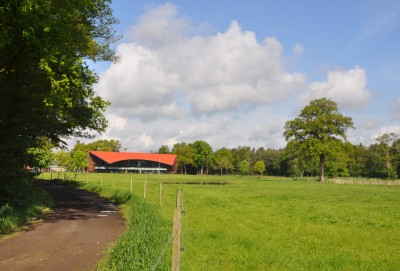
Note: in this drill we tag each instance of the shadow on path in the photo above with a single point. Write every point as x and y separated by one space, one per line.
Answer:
73 236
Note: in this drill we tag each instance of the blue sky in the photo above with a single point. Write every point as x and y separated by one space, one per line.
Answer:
233 72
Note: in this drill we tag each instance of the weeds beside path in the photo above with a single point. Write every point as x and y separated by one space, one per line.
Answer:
72 237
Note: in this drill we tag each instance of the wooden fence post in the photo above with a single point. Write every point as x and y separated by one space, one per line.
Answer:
144 189
131 184
161 193
176 234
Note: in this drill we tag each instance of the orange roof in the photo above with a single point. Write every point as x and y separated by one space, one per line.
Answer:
112 157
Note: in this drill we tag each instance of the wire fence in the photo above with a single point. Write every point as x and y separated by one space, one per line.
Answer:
176 233
365 182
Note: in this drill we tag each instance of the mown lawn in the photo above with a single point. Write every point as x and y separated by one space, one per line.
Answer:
275 223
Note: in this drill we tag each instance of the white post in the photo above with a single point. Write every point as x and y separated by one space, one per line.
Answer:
145 187
176 242
131 184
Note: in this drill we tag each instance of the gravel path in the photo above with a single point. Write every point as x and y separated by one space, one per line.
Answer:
74 236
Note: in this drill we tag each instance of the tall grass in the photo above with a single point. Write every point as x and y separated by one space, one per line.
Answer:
29 201
144 240
266 223
146 234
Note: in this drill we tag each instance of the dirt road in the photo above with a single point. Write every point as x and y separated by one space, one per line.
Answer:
73 237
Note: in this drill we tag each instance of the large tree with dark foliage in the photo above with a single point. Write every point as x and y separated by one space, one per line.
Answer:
46 86
319 130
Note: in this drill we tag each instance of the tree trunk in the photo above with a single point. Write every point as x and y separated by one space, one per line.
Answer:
321 168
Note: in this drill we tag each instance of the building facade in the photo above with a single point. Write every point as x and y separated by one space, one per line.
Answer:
132 162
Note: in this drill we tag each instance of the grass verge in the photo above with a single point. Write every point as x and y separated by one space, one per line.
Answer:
141 245
146 234
29 201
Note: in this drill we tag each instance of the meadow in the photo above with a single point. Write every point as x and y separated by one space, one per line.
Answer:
254 223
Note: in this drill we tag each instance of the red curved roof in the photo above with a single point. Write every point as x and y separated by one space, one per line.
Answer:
112 157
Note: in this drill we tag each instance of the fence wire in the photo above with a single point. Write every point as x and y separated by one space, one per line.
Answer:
171 237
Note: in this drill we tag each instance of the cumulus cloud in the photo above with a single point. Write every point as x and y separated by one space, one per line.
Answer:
268 135
347 88
368 123
166 73
298 49
116 122
386 130
138 86
159 26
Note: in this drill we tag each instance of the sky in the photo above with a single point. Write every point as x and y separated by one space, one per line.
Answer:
233 72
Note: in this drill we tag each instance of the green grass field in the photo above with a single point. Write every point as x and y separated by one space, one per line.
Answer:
271 223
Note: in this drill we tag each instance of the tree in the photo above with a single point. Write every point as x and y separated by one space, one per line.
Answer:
318 129
104 145
164 149
63 158
223 159
203 155
244 167
184 156
46 85
41 156
357 155
395 153
259 167
271 158
376 161
242 153
385 140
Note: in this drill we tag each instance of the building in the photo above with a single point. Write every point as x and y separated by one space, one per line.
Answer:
105 161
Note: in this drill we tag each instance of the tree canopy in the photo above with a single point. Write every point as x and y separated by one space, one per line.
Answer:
318 130
46 84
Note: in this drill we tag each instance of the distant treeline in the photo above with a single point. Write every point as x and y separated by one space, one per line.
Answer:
379 160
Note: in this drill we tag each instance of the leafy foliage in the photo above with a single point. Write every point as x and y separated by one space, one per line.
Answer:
244 167
185 154
319 129
46 85
259 167
223 159
203 155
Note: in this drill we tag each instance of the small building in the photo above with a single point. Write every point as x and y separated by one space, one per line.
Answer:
135 162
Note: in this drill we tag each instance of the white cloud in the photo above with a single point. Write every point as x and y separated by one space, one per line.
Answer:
138 86
204 129
347 88
298 49
386 130
269 135
159 26
116 122
367 123
145 140
166 73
